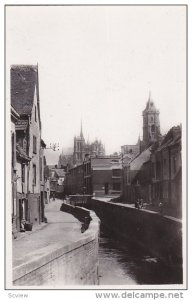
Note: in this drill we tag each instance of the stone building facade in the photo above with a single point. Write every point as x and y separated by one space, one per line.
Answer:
100 176
29 150
167 169
14 119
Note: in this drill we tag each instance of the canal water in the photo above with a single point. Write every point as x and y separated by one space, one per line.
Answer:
124 263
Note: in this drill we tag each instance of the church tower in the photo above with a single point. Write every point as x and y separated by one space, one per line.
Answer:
79 148
151 124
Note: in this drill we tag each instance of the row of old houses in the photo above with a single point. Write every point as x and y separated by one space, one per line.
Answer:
153 169
155 175
27 148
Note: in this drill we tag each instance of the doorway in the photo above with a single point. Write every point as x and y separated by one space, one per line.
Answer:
106 188
42 207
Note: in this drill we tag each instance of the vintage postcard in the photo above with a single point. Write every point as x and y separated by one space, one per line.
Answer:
96 114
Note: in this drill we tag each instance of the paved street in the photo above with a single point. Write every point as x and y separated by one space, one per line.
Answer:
61 227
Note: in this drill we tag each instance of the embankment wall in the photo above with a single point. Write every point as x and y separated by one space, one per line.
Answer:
160 234
72 264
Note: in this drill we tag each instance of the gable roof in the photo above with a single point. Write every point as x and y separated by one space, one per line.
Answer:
60 172
137 162
173 137
24 79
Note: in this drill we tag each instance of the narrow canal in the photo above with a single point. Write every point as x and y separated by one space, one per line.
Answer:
124 263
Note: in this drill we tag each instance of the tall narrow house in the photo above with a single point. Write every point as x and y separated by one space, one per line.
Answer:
25 100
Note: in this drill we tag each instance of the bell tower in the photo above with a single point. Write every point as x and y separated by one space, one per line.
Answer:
151 124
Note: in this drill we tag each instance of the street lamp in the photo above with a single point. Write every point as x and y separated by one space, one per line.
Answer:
53 146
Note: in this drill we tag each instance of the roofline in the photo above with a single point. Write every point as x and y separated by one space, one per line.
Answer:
43 143
14 113
14 66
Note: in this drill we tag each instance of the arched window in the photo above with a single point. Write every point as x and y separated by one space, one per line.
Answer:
153 128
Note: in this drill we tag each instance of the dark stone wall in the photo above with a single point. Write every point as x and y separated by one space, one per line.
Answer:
161 235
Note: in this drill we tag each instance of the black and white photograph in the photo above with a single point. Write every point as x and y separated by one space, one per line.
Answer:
96 137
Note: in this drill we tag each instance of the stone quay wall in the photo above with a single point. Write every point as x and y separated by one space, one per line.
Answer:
72 264
160 234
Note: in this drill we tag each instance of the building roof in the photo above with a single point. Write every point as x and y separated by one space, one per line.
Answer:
150 106
143 157
43 143
24 79
14 114
60 172
106 163
51 167
173 137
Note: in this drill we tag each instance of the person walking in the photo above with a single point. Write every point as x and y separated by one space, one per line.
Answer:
161 207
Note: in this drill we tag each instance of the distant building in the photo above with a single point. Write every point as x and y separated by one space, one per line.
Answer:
134 176
97 175
66 159
102 175
74 182
60 182
151 124
128 152
151 133
81 148
56 181
136 158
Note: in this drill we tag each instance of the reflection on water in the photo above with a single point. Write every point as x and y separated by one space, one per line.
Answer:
123 263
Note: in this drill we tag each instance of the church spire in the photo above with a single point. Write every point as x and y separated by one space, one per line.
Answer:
149 95
81 133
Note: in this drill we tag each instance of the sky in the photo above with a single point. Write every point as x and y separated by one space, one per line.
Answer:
97 64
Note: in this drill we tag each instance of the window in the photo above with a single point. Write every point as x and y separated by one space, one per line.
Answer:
153 128
25 144
34 174
35 113
114 160
158 169
117 186
116 172
153 170
174 164
13 150
34 144
41 168
23 172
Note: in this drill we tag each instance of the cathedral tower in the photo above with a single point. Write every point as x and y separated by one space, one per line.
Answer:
151 124
79 148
